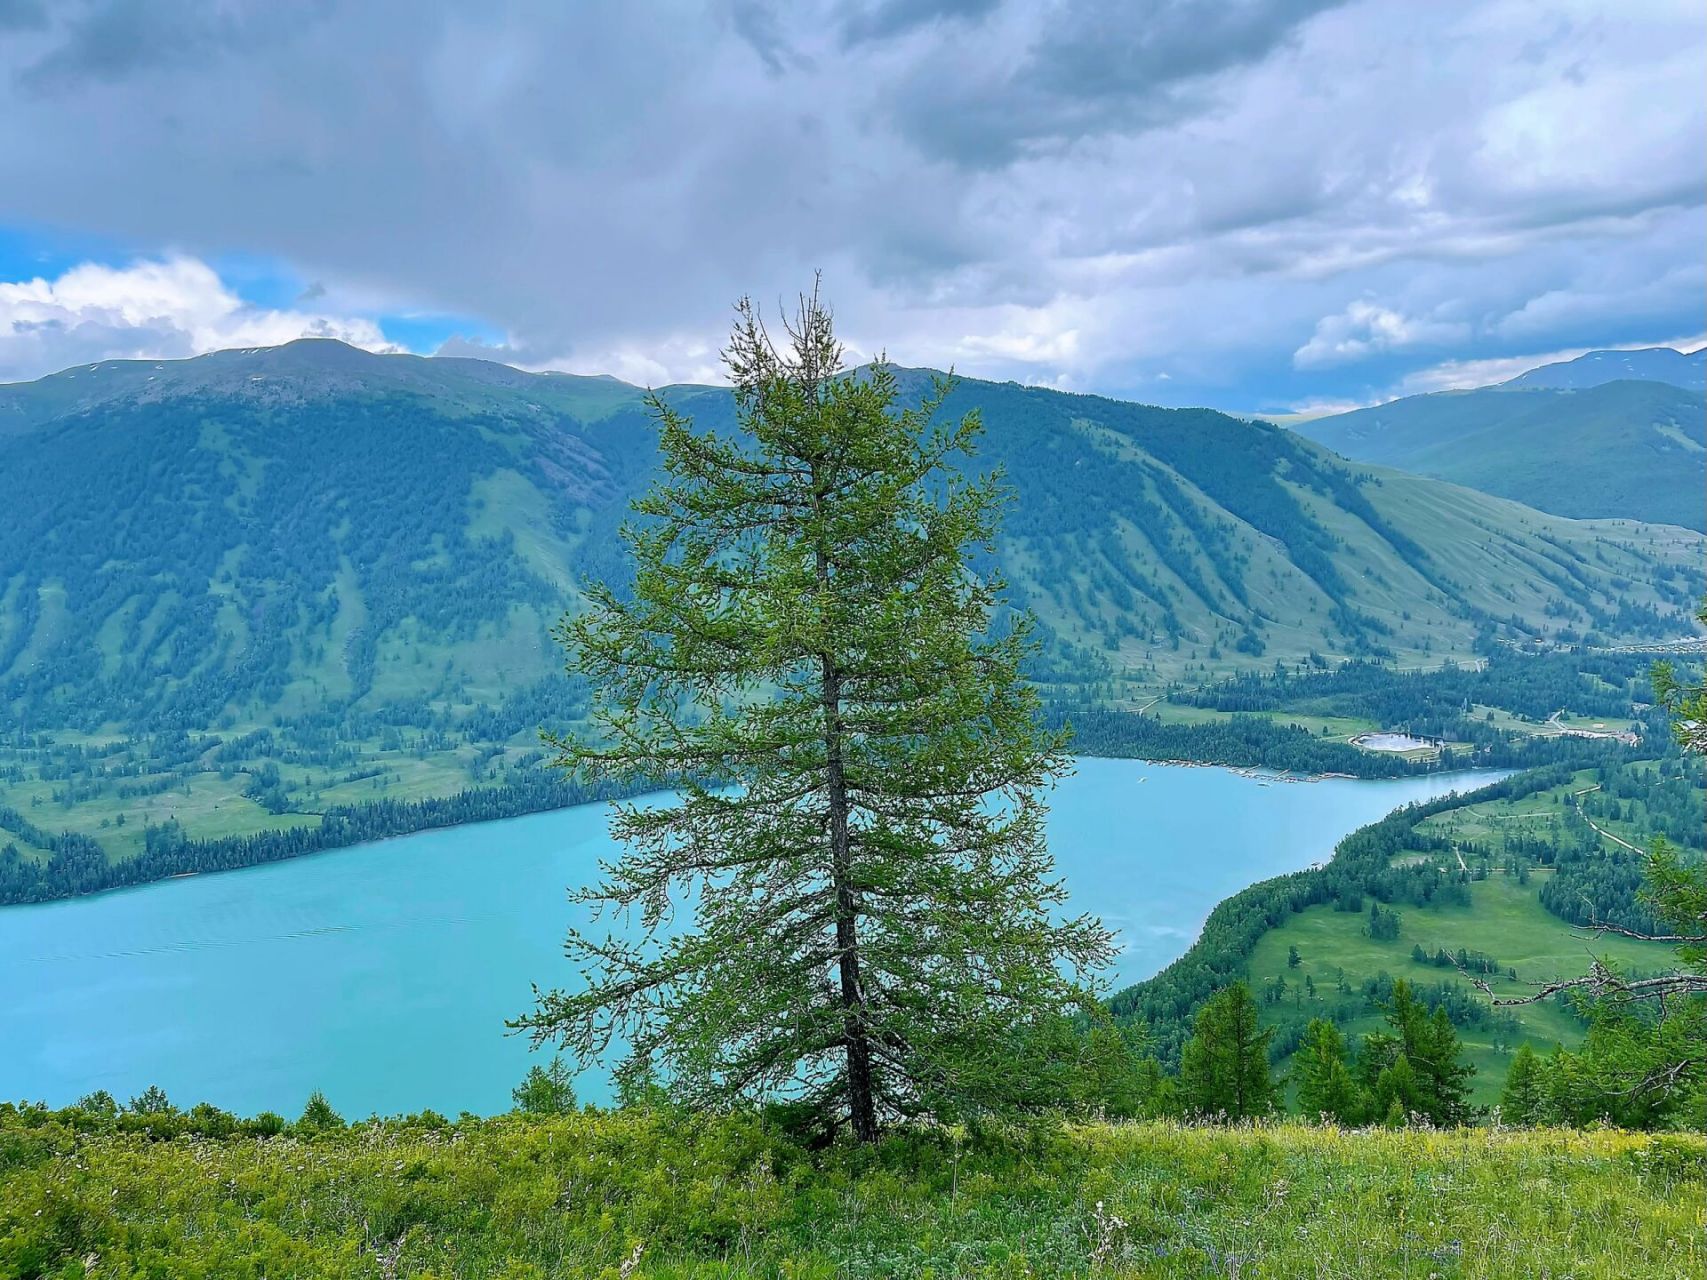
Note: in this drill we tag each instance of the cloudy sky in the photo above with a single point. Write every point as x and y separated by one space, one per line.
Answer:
1256 204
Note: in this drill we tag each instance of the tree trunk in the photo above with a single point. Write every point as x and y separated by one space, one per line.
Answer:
862 1103
862 1107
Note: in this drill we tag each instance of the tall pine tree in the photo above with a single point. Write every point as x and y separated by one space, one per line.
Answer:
1523 1100
1325 1084
1224 1066
859 828
1428 1044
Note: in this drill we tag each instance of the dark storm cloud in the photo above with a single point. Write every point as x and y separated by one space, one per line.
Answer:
887 19
1100 51
112 39
1212 200
1095 68
757 24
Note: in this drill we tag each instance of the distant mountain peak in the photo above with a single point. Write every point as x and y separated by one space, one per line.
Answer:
1629 446
306 370
1595 368
320 349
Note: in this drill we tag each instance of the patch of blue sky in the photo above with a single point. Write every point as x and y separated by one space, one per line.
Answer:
263 281
30 252
267 282
426 333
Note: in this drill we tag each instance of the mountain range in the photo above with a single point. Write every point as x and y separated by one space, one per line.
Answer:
1686 369
1612 433
276 534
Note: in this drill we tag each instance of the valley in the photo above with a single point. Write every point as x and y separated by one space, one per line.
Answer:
241 592
532 749
1501 886
255 628
434 940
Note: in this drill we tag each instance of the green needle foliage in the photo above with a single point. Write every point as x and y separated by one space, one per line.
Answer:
1224 1066
545 1091
1522 1100
1420 1068
858 835
1326 1088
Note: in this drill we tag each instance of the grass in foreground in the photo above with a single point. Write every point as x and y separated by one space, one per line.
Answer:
631 1194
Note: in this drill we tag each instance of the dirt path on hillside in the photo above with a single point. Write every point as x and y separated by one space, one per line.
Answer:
1596 827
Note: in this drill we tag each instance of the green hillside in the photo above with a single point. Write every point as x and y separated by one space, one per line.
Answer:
1498 886
1626 448
265 533
666 1194
242 592
1501 918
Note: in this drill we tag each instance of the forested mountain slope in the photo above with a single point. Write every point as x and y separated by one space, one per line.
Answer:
1624 448
313 526
269 533
269 601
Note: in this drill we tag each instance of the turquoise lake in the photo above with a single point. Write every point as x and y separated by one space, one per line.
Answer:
383 974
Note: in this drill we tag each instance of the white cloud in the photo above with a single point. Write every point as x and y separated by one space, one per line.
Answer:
149 309
1000 192
669 359
1320 408
1603 298
1028 336
1364 329
1458 375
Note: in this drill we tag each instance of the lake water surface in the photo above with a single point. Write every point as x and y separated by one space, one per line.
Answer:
383 974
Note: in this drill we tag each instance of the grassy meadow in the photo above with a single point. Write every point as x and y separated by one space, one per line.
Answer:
631 1194
117 801
1504 920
